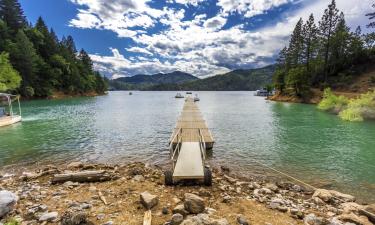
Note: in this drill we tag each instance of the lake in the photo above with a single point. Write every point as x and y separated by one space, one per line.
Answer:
298 139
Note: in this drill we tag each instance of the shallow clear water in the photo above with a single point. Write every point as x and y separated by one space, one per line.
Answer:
314 146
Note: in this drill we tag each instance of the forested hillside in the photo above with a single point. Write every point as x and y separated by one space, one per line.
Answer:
324 54
144 82
44 63
237 80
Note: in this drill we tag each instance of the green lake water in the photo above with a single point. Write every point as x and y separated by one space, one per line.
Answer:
298 139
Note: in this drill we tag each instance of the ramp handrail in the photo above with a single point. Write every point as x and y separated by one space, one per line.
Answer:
202 145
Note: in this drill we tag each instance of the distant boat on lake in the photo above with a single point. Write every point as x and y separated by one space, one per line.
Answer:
7 116
179 95
189 92
196 98
130 93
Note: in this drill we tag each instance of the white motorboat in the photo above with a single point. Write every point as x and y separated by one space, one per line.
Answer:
196 98
179 95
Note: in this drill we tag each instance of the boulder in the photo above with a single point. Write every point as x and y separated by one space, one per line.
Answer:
369 211
193 203
177 219
272 187
8 200
352 218
51 216
349 207
148 200
331 195
222 221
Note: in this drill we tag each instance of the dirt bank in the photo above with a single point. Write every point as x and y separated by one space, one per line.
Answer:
117 201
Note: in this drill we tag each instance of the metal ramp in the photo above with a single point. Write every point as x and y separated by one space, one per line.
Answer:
189 163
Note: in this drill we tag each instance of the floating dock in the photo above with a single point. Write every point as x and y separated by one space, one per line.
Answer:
188 144
191 126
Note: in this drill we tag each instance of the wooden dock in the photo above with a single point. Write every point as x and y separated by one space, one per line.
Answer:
191 127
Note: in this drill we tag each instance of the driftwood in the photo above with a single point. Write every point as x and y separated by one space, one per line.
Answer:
147 218
101 196
84 176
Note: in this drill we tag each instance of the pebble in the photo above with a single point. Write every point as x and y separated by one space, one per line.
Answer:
177 219
51 216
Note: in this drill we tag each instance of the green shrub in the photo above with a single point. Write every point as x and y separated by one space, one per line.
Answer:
356 107
12 222
332 102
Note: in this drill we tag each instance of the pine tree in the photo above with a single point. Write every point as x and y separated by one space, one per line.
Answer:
12 14
296 45
86 61
69 44
48 46
4 35
356 46
371 17
327 26
340 44
310 35
281 70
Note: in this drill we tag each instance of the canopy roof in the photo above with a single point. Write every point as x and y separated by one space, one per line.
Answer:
7 95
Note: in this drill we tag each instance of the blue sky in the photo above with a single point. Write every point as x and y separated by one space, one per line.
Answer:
204 38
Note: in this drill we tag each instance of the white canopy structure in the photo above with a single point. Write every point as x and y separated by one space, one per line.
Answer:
7 115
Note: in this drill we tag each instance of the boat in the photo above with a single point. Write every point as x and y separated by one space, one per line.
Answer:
189 92
7 115
196 98
179 95
130 93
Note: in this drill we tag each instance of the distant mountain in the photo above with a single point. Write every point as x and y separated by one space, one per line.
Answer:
143 82
237 80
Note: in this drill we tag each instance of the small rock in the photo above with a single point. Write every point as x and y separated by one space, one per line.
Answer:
312 219
108 223
222 221
165 210
225 169
349 207
227 199
74 165
272 187
148 200
193 203
79 218
138 178
242 220
8 200
177 219
51 216
180 209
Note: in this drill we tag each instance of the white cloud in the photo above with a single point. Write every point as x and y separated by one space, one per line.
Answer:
186 2
199 46
249 8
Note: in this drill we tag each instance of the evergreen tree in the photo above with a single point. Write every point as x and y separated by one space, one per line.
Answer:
48 45
327 26
296 45
12 14
281 69
24 59
310 35
340 44
371 17
9 77
4 34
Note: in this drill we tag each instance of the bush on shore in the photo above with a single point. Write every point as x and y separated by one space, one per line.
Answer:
356 109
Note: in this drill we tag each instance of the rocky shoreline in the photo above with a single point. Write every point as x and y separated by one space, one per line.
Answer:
80 193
